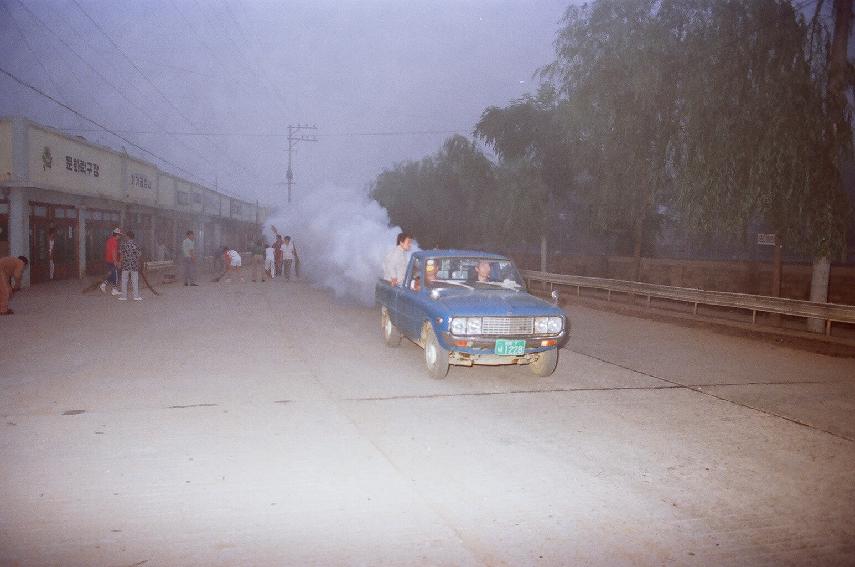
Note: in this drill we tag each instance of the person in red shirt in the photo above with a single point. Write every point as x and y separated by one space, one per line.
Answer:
111 257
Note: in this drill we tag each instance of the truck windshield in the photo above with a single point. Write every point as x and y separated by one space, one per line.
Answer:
472 272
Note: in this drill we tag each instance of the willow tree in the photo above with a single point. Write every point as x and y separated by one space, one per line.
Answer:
444 199
617 67
534 172
761 137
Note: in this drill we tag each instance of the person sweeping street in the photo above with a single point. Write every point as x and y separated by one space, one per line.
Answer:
232 261
130 262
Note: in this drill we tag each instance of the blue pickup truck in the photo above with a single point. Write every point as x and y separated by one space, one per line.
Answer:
465 307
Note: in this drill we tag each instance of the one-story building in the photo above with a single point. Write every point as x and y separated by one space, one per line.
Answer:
77 191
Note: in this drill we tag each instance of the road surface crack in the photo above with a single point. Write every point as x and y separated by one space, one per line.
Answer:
700 390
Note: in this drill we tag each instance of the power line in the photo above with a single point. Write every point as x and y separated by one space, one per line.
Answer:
283 134
33 52
94 122
260 74
274 90
108 83
155 87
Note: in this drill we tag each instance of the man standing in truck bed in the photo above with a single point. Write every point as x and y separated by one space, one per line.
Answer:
395 262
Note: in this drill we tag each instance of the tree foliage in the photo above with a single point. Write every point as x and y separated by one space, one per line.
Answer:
718 111
755 139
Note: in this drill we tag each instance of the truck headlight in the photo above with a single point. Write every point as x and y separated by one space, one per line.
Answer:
473 326
548 325
458 326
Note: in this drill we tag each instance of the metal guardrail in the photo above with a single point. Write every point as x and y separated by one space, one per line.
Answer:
829 312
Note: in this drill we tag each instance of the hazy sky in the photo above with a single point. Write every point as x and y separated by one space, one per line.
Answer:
384 81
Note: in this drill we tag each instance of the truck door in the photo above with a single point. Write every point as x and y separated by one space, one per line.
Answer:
410 314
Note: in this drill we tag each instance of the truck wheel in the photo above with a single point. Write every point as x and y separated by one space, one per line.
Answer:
391 335
436 357
545 363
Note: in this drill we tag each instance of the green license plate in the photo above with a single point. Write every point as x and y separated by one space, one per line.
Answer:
506 347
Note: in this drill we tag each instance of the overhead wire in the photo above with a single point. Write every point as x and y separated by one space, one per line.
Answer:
276 94
155 87
285 134
92 121
29 47
107 82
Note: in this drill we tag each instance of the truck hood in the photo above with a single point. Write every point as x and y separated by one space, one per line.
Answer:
494 303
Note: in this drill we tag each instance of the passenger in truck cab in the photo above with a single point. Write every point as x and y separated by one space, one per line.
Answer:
483 271
415 280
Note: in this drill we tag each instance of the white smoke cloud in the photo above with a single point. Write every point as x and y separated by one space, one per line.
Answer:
341 236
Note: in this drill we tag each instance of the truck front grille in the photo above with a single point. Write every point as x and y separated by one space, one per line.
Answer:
507 326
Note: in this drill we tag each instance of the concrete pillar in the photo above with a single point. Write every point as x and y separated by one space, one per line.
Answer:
19 227
819 289
200 237
81 240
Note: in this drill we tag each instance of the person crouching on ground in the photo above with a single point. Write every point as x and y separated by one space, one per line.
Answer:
130 258
231 258
10 268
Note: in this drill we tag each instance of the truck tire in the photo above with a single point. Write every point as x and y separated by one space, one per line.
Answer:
391 334
545 364
436 357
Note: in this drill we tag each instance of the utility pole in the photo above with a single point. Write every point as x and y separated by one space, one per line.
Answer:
295 138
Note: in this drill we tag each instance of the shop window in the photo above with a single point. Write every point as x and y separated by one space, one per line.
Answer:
97 215
39 211
59 213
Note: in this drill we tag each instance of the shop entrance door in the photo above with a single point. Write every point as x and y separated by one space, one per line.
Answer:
165 239
61 220
4 228
99 227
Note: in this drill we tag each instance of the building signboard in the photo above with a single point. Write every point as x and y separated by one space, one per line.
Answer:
142 183
188 196
165 190
211 203
64 164
235 209
249 212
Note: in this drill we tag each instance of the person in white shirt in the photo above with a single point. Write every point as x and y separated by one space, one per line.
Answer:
233 262
270 261
289 254
395 262
51 252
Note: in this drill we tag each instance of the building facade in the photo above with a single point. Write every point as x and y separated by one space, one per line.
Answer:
64 193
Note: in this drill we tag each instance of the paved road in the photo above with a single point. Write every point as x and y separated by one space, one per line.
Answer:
266 424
